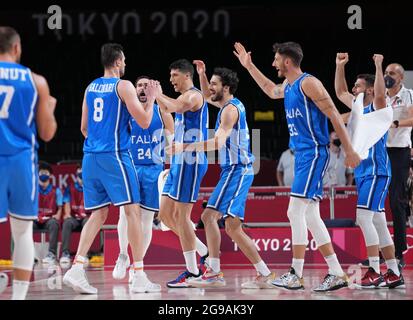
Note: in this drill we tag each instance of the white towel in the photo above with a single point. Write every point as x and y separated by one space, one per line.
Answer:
366 129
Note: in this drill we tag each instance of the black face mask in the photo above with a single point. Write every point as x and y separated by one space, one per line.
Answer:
337 142
389 82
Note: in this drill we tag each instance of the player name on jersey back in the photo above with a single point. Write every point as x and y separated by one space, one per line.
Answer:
101 88
13 74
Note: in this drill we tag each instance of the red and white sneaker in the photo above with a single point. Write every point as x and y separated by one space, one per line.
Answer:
393 281
371 280
208 279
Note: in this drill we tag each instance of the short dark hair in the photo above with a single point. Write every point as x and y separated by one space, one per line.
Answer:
8 37
43 165
228 78
182 65
369 78
109 53
290 49
141 77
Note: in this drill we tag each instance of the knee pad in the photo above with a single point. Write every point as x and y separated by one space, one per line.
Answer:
380 223
23 253
296 214
147 219
316 225
364 219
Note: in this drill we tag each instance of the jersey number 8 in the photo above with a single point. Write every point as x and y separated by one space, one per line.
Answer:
98 109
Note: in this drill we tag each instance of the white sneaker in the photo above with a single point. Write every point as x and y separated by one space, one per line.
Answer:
131 273
49 259
141 284
119 272
76 278
4 281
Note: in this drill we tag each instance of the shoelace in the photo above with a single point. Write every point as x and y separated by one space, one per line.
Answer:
328 279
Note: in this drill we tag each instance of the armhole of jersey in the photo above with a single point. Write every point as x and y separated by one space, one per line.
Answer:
203 99
33 82
117 93
160 116
239 114
301 88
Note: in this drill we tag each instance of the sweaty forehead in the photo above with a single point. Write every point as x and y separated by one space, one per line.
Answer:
142 82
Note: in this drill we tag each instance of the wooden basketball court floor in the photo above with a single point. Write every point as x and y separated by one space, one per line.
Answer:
47 285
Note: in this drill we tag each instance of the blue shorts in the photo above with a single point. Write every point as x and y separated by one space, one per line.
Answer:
19 186
184 179
109 178
230 194
148 185
372 192
309 168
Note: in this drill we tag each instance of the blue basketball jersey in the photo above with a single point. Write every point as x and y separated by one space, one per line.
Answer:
146 146
18 99
192 126
307 125
237 147
377 163
108 127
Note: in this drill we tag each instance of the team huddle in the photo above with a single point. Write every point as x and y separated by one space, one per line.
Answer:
130 132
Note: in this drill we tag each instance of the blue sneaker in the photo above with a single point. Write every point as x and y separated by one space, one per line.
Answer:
203 266
181 280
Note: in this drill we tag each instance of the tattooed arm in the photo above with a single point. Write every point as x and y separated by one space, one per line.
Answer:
314 90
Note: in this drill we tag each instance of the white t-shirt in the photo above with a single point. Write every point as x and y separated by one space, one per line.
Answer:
400 137
286 165
335 174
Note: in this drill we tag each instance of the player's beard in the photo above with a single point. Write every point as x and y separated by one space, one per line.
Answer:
218 95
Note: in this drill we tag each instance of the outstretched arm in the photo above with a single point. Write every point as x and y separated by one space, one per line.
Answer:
340 84
229 117
274 91
315 90
189 101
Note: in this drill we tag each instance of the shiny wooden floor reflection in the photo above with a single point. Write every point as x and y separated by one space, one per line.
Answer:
47 285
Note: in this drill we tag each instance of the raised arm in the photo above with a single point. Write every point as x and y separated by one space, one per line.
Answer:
340 84
274 91
191 100
127 93
315 90
45 119
379 101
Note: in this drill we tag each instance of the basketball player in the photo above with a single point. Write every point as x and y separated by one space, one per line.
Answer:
228 198
373 177
108 172
308 106
25 107
187 169
148 157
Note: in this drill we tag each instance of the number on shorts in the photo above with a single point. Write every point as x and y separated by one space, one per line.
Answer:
4 109
98 109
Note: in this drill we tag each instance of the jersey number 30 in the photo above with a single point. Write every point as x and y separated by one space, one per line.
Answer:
4 107
98 109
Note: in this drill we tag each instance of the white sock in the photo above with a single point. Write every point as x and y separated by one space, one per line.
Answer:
20 289
215 264
201 248
392 265
190 261
79 262
262 268
123 232
138 268
334 266
298 265
147 222
374 262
